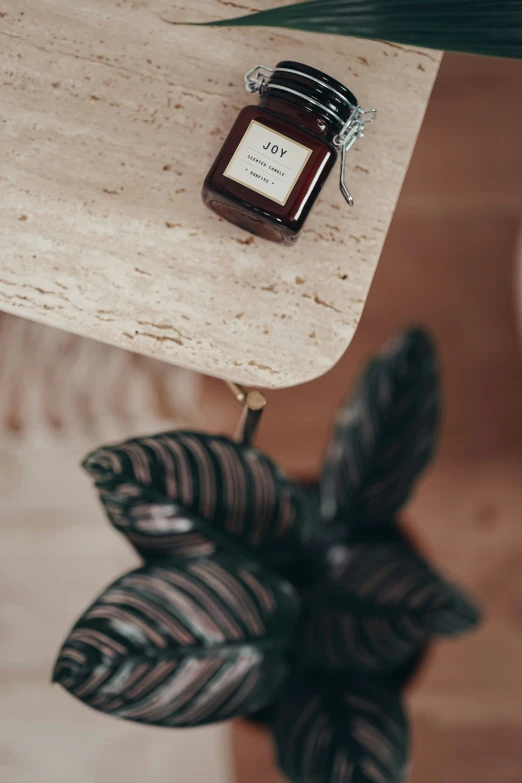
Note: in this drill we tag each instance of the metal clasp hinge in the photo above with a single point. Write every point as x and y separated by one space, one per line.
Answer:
346 138
257 77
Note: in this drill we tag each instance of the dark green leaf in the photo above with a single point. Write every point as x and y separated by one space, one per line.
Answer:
380 606
182 644
151 486
492 27
330 732
385 436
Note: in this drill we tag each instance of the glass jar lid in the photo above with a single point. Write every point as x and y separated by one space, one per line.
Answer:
315 88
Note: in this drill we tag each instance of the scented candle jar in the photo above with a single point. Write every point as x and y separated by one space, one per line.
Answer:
279 153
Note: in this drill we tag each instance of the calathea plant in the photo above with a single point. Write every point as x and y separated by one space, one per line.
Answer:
256 599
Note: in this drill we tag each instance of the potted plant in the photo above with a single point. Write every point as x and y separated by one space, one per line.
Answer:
308 612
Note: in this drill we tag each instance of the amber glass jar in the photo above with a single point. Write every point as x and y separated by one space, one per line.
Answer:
279 154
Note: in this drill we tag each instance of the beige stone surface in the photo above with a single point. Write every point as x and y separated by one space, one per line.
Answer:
110 121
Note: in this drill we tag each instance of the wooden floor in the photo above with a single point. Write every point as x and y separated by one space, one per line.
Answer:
448 264
60 396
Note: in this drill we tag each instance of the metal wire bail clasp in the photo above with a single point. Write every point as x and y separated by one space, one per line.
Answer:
257 77
352 130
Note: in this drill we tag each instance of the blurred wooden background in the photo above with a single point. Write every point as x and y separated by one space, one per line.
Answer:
449 264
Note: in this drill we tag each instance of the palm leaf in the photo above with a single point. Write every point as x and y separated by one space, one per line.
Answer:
238 494
492 27
329 731
385 436
182 644
380 606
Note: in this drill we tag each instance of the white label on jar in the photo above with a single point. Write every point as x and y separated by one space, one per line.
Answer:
268 162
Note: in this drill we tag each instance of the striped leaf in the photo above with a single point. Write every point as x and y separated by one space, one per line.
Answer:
492 27
156 530
381 605
384 437
327 731
182 644
238 494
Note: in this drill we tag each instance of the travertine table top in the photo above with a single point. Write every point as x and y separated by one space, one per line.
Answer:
110 119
